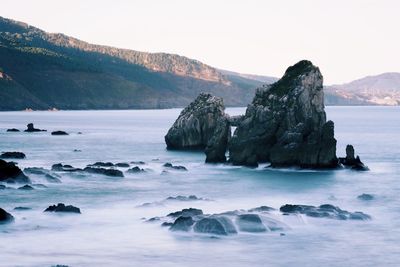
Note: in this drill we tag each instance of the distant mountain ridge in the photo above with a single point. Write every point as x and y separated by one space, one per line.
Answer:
382 89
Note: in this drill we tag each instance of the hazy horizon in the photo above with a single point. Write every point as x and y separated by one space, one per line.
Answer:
348 40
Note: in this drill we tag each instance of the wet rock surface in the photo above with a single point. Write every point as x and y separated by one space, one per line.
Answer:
26 188
64 168
250 223
12 155
286 124
103 171
136 169
201 125
5 217
324 211
50 177
182 223
174 167
11 173
191 212
366 197
13 130
60 207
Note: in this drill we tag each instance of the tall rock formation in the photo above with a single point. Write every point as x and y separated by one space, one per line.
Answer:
286 124
202 125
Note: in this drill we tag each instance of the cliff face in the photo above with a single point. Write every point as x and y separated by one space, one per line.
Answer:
286 124
201 125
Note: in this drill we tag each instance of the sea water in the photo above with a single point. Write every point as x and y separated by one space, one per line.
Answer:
112 231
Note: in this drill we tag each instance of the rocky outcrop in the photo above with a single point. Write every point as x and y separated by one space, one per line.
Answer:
9 172
324 211
286 124
352 162
59 133
12 130
201 125
31 128
60 207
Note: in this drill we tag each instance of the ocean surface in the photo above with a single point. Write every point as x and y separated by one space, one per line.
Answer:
112 229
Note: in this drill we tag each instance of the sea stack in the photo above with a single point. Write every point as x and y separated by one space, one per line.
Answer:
286 124
202 125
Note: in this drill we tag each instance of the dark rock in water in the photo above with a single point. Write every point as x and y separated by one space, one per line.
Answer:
122 165
13 130
59 133
136 169
102 164
182 223
46 173
26 187
366 197
261 209
52 179
12 155
2 187
60 207
65 168
153 219
167 224
352 162
138 162
22 208
286 124
250 223
9 172
5 217
77 150
214 225
324 211
185 198
31 128
191 212
40 186
107 172
175 167
201 125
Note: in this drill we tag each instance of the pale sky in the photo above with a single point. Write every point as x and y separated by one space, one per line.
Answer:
347 39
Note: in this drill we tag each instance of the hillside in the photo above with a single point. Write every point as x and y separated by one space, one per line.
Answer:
383 89
42 70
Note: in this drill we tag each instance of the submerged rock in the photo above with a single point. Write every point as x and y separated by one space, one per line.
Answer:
13 130
60 207
286 124
51 178
107 172
65 168
250 223
185 198
201 125
217 225
5 217
102 164
59 133
365 197
26 188
352 162
324 211
182 223
175 167
122 165
136 169
11 173
261 209
138 162
31 128
22 208
12 155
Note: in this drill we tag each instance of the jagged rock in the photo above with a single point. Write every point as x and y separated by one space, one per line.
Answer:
5 217
235 120
286 124
250 223
201 125
13 130
59 133
186 212
12 155
324 211
366 197
31 128
107 172
182 223
9 172
60 207
26 188
352 162
175 167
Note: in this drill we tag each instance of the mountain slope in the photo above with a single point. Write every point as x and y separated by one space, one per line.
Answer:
383 89
47 70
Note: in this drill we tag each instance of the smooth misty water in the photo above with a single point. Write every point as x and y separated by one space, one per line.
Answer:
111 232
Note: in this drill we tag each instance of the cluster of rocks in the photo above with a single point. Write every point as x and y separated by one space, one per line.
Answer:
256 220
284 125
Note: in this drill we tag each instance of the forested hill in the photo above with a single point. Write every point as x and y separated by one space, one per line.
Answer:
41 70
